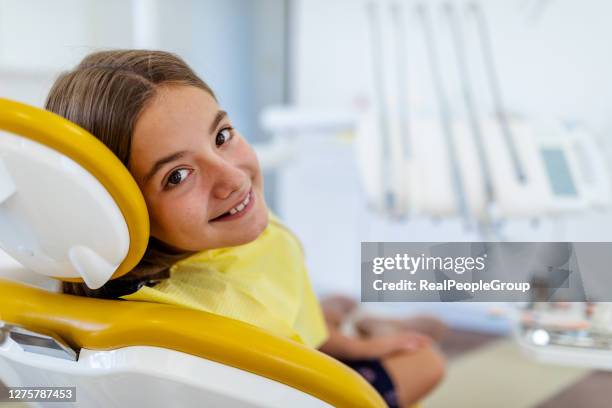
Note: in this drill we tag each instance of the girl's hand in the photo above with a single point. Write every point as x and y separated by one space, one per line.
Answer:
340 304
378 347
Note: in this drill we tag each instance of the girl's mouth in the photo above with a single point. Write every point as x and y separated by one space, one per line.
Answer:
239 210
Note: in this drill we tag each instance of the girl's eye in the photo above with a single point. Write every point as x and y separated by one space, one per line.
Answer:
223 136
177 177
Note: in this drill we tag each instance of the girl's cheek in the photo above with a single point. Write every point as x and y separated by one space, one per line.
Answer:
193 208
170 213
246 155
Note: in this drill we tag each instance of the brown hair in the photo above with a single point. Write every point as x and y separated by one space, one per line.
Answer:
105 95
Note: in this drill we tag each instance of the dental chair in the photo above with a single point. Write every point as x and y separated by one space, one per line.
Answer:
70 211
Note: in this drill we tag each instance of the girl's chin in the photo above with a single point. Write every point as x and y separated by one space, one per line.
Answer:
254 228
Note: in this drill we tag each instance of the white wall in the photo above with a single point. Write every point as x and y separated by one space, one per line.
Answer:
38 39
557 64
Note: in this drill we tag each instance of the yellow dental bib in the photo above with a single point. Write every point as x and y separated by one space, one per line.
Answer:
264 283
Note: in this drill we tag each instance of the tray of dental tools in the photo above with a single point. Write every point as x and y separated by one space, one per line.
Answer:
569 333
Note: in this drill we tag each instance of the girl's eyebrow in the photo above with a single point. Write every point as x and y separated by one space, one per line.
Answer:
160 163
218 118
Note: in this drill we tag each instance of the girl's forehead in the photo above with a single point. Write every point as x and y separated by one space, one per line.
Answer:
177 105
177 118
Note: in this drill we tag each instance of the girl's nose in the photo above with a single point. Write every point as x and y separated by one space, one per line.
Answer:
227 179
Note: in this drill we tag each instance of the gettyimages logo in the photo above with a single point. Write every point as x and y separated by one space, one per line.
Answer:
482 271
412 264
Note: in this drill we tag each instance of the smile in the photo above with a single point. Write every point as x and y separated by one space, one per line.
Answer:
238 210
242 205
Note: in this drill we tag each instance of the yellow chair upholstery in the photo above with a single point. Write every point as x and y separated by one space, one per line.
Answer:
98 324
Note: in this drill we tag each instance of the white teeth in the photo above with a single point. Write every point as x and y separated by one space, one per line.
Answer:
241 206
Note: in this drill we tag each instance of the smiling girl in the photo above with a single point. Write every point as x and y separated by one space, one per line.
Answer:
214 245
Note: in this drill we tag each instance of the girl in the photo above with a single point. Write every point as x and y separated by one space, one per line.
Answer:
214 246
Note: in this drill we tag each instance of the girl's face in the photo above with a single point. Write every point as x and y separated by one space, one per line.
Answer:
200 179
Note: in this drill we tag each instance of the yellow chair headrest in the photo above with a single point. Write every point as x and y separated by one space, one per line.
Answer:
29 129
